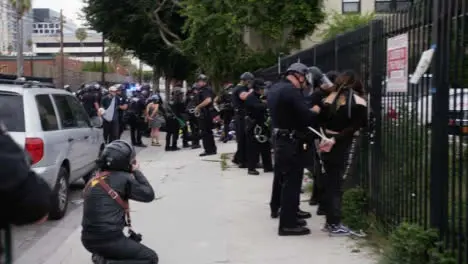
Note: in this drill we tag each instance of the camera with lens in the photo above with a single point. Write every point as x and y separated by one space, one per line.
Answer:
135 236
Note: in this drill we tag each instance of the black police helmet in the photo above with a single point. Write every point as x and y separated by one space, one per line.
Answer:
247 76
117 156
202 77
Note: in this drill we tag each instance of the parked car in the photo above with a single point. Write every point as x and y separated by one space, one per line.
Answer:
56 132
458 111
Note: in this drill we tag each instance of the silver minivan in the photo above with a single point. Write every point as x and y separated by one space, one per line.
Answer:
56 132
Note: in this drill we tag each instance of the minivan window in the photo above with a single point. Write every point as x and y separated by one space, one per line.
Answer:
47 114
65 112
12 111
79 112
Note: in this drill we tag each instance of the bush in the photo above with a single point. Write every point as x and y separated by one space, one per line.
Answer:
354 209
412 244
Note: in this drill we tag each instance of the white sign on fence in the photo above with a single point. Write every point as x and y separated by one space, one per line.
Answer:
397 64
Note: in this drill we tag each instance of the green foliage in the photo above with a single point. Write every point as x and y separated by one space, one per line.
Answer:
412 244
354 209
96 67
341 23
115 53
141 26
215 32
81 34
26 5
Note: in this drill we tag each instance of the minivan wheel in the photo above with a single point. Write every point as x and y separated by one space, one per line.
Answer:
60 196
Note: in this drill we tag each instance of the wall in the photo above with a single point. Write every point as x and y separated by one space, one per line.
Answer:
50 68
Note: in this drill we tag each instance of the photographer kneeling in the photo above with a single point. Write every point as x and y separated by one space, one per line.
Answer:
106 210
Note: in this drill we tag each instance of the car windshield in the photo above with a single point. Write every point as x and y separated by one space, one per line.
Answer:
12 111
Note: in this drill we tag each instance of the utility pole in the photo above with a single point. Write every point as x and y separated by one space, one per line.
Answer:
62 53
19 41
103 60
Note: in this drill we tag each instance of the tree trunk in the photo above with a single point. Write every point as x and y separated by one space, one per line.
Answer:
156 76
167 88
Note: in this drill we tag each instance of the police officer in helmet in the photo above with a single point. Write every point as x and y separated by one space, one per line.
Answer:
257 130
289 115
106 212
136 118
191 98
205 108
226 111
239 95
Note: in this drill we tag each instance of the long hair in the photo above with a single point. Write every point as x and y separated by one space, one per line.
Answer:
350 80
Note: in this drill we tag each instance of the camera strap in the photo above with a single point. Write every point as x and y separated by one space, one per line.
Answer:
99 178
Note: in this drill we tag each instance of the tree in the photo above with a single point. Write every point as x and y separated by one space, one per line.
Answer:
115 53
26 5
341 23
10 49
81 35
148 30
215 32
30 43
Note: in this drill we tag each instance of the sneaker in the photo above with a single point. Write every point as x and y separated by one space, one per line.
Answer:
339 230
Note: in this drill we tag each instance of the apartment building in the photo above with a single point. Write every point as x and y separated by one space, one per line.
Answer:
47 22
7 22
8 34
354 7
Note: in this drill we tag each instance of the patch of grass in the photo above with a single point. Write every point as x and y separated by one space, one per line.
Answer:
224 157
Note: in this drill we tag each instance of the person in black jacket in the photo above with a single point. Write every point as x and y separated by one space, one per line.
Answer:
106 212
24 197
256 130
173 123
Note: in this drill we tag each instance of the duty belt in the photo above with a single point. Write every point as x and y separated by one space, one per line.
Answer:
284 133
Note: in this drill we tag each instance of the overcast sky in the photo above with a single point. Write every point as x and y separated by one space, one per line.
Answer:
70 7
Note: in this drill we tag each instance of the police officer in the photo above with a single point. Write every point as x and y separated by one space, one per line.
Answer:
205 108
191 103
239 94
89 97
135 118
173 122
289 114
257 131
123 102
224 103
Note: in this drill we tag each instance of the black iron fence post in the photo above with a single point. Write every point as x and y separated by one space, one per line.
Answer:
439 134
377 64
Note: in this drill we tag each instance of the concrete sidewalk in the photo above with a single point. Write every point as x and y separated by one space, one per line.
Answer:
206 215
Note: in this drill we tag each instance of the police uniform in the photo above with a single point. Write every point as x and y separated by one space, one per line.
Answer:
257 131
123 101
226 111
135 113
191 102
289 114
240 157
173 122
206 121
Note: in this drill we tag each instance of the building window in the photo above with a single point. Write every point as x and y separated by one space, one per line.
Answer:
57 26
35 31
39 26
351 6
34 25
46 31
41 31
389 6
